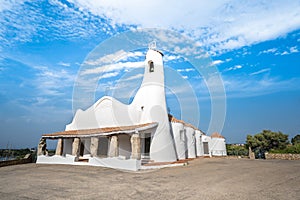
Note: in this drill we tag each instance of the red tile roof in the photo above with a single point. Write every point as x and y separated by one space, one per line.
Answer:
175 120
101 131
216 135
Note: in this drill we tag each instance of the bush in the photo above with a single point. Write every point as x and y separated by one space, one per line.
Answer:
296 140
293 149
234 150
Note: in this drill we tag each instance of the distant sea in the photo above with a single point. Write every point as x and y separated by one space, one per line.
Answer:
6 158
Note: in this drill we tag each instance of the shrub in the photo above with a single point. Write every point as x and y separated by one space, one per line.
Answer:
293 149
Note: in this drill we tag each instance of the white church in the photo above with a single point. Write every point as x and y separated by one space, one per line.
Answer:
131 137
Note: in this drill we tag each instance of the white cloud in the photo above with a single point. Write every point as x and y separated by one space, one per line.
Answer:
219 25
260 71
217 62
186 70
241 87
137 76
50 81
272 50
291 50
294 49
9 4
233 68
171 57
118 56
109 75
64 64
26 22
113 67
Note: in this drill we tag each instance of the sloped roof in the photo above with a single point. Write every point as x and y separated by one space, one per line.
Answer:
101 131
172 119
216 135
175 120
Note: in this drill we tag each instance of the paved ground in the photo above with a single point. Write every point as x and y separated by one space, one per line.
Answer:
202 179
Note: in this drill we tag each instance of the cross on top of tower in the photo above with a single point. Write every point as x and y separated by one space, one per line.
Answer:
152 45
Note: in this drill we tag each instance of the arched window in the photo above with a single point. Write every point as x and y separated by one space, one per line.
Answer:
151 66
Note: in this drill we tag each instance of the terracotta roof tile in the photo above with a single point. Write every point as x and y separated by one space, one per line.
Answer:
101 131
216 135
175 120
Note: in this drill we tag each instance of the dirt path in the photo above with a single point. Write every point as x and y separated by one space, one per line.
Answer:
201 179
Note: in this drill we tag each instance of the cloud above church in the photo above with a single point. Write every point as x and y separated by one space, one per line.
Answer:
218 25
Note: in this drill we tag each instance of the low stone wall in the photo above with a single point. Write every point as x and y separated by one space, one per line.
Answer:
26 159
282 156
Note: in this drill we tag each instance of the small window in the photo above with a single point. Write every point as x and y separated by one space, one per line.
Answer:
151 66
182 135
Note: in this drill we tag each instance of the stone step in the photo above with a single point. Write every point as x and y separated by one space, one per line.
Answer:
146 161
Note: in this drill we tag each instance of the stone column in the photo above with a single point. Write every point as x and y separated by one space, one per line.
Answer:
94 146
76 147
42 147
251 154
59 147
135 146
113 147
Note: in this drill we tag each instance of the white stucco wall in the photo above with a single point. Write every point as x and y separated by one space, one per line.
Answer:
179 140
68 159
218 147
199 151
205 138
116 162
151 97
106 112
191 142
149 105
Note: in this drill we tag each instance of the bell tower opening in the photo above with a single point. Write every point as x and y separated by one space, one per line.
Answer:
151 66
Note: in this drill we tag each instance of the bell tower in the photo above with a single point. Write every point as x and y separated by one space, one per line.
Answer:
151 98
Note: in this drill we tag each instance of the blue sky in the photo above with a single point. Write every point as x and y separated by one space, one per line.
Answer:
255 45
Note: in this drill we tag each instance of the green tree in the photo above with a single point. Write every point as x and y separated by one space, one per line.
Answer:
267 140
296 140
234 150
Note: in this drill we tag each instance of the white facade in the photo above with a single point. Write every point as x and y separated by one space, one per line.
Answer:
179 135
217 145
205 141
149 105
190 142
199 148
157 140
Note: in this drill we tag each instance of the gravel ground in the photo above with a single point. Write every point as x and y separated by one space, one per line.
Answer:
215 178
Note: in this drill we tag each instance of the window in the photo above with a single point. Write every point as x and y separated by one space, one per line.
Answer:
182 135
151 66
205 148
